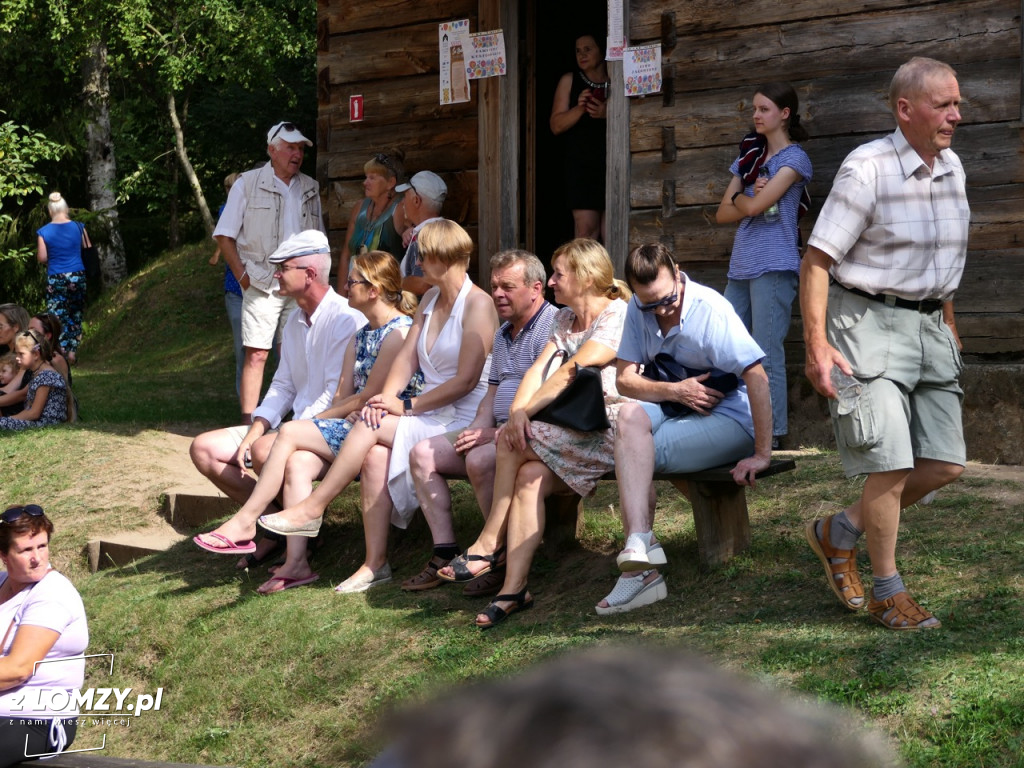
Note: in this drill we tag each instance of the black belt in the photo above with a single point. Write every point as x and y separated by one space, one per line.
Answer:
924 305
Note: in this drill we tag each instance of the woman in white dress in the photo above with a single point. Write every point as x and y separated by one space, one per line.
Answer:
450 342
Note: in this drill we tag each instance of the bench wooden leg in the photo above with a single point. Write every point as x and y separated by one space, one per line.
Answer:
721 522
564 523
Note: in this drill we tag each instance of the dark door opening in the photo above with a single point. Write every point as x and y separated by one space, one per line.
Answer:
551 32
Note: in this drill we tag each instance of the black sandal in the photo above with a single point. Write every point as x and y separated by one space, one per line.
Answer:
463 574
496 615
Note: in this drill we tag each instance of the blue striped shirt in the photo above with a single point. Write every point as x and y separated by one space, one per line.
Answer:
761 247
512 357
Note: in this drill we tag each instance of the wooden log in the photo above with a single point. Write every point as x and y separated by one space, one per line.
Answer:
694 17
410 99
969 31
347 17
829 106
382 54
449 145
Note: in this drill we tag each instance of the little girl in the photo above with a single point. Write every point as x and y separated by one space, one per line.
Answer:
46 400
8 370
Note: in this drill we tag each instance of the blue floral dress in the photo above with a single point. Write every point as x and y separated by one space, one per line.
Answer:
368 344
55 411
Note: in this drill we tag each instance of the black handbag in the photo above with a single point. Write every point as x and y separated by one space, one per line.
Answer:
90 258
664 367
580 405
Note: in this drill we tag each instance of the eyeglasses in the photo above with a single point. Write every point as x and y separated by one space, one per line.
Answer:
286 267
13 513
282 127
350 282
667 301
385 160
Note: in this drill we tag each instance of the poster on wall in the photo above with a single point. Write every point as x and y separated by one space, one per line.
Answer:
485 55
616 40
641 69
452 42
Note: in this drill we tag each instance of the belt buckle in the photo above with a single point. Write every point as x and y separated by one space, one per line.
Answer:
889 300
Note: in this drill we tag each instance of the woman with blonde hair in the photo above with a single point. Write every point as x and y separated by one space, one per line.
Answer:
371 225
375 283
536 459
59 247
450 342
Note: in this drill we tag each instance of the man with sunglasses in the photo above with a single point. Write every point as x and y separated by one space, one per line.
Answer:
680 424
312 353
264 208
424 196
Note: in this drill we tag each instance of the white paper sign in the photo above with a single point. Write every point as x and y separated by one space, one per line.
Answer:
485 56
452 41
616 40
641 69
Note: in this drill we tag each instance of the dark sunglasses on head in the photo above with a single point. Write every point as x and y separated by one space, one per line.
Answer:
13 513
283 127
385 160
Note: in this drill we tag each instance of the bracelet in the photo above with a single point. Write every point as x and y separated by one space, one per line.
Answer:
733 198
246 272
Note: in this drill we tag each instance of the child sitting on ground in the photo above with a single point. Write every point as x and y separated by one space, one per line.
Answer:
8 371
46 401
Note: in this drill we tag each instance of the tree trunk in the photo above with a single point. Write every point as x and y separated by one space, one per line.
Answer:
102 164
186 165
173 222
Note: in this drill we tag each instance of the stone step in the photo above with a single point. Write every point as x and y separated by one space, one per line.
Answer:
184 509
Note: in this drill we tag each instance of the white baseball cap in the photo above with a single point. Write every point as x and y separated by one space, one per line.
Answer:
426 184
287 132
303 244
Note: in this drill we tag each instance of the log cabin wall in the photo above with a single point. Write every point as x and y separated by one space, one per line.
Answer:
386 51
840 58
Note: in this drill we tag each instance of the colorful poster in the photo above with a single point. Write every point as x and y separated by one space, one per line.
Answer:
616 40
485 55
452 41
641 69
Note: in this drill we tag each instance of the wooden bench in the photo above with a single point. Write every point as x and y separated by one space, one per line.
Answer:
98 760
719 511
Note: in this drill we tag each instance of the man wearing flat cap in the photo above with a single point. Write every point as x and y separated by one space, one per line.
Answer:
264 208
424 196
312 353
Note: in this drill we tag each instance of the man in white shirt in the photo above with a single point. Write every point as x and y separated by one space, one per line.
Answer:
264 208
876 290
312 351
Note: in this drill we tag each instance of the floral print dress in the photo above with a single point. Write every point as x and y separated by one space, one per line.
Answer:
55 411
581 458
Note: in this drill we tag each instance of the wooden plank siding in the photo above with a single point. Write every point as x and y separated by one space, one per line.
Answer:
840 61
387 52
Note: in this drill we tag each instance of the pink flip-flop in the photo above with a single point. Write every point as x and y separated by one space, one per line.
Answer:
229 548
281 583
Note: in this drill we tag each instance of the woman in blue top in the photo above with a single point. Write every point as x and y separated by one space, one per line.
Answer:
59 247
767 195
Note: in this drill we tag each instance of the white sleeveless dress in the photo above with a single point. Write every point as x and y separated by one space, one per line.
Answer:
438 366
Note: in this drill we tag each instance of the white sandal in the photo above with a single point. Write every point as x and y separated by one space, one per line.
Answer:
639 553
630 592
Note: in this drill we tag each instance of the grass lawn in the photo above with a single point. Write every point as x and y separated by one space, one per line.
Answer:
300 678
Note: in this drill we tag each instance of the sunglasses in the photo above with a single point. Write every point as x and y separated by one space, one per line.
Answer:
13 513
667 301
350 282
385 160
283 127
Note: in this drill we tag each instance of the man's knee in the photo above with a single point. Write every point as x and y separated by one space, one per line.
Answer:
632 423
421 460
208 452
480 463
260 450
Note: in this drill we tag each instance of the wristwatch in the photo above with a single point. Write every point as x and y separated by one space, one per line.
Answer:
407 405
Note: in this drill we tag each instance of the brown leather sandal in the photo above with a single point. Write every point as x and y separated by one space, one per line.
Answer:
427 578
843 577
901 611
485 586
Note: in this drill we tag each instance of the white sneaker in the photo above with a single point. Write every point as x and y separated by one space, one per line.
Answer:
639 554
630 592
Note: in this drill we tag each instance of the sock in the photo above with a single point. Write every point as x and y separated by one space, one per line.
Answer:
446 551
883 589
842 534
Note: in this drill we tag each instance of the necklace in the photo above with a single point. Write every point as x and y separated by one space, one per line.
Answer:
591 83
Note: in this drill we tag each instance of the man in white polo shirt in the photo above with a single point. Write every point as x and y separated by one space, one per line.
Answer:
264 208
312 351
